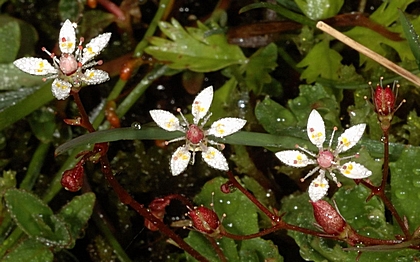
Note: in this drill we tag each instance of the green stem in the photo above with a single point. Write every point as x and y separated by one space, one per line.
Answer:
140 89
10 241
118 250
35 166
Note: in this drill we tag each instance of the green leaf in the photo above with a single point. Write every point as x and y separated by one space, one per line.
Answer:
7 180
273 116
35 218
316 97
411 36
30 250
258 249
191 49
69 9
260 64
11 78
94 22
387 14
320 9
321 61
405 185
77 213
202 245
9 39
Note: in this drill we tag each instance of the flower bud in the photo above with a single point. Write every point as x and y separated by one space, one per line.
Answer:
384 100
72 180
328 217
205 220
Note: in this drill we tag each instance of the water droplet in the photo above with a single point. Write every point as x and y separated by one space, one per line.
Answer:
136 125
401 194
416 183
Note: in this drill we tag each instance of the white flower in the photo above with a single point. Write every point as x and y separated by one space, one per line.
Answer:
195 135
70 70
326 159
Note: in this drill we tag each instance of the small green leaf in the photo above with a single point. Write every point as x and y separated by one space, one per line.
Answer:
77 213
320 9
9 39
260 64
411 36
191 49
203 246
7 180
273 116
35 218
43 124
94 22
321 61
30 250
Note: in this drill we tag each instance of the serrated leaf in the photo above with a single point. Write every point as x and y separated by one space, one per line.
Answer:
411 36
321 61
405 185
30 250
35 218
77 213
386 15
258 249
320 9
273 116
260 64
316 97
191 49
9 40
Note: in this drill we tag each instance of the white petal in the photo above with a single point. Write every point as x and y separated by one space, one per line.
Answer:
165 120
95 46
355 170
60 89
226 126
316 129
95 76
179 161
294 158
318 188
350 137
67 38
215 159
202 103
35 66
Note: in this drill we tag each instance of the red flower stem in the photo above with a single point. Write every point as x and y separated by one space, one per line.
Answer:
278 224
112 8
216 247
182 199
380 190
124 196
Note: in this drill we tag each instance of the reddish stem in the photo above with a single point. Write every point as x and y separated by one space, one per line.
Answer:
216 248
123 195
380 190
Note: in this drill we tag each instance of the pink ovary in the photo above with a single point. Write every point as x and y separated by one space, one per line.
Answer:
68 64
195 134
325 159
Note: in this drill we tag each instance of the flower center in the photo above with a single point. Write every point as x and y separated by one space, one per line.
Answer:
195 134
68 64
325 159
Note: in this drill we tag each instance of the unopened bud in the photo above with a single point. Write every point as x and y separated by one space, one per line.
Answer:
205 220
328 217
72 180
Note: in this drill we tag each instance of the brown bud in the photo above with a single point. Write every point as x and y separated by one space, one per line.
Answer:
328 217
157 208
72 180
205 220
